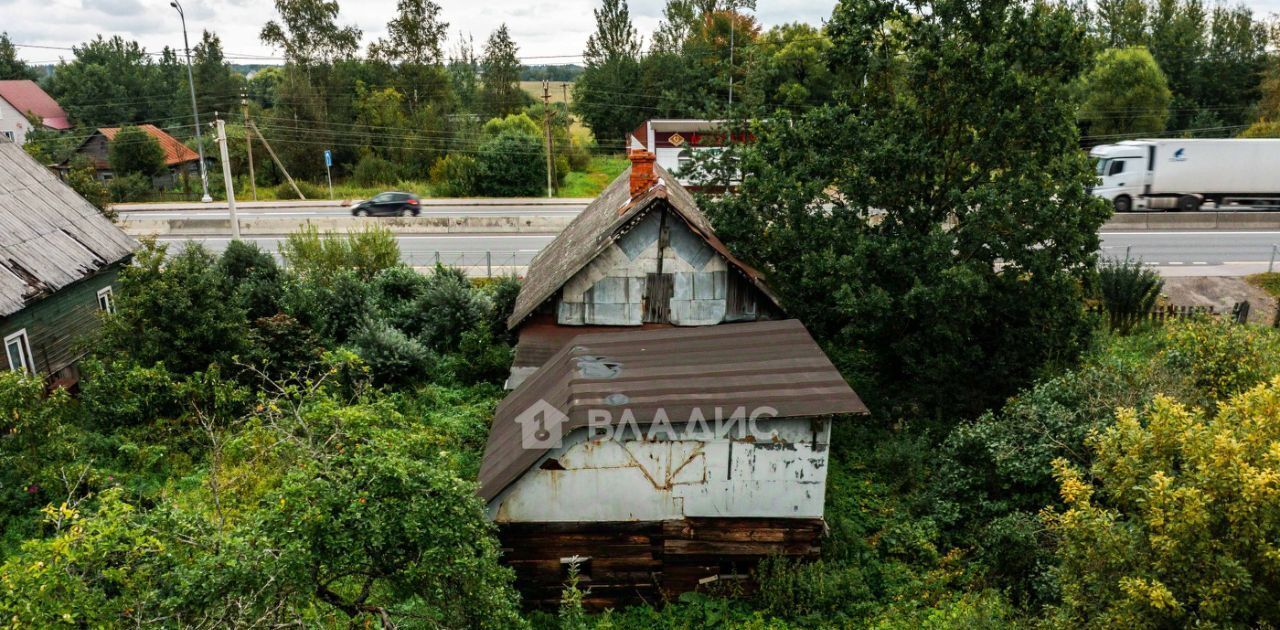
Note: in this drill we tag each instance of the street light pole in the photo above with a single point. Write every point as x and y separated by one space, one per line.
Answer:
191 82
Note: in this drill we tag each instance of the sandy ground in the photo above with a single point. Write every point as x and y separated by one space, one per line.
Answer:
1222 293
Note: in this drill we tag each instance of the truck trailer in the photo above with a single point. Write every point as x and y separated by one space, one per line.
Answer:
1184 174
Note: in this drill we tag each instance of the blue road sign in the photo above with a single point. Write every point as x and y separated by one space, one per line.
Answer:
328 158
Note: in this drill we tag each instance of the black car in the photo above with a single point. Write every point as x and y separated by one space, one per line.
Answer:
391 204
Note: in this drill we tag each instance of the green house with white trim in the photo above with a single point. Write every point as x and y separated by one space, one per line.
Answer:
58 260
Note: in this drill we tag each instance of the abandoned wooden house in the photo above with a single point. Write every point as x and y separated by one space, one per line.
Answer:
641 255
671 427
58 259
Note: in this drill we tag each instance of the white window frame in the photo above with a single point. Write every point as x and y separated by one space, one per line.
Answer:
24 347
106 300
10 135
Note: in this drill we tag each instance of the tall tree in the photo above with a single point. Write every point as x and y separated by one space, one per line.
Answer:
612 74
135 151
1122 23
109 82
308 32
1125 93
217 85
10 66
415 36
937 242
500 92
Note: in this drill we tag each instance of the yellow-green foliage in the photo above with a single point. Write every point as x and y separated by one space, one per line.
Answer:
1221 358
1177 521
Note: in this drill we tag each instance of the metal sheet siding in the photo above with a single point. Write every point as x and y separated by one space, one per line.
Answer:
754 364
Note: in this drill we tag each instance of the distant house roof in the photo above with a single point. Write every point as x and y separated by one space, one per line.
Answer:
174 151
26 96
752 365
50 237
600 224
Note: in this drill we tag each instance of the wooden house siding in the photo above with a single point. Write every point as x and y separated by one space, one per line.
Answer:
58 326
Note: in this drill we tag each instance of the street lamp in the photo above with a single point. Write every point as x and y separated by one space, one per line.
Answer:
191 82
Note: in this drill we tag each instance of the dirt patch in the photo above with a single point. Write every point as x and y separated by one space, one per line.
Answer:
1222 293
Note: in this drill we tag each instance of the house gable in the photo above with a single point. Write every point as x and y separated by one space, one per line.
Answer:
659 271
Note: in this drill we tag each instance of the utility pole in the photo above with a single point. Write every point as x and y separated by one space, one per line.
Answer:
226 178
732 27
195 110
248 140
546 127
564 87
272 153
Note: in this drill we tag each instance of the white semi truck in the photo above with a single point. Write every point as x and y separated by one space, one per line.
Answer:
1181 174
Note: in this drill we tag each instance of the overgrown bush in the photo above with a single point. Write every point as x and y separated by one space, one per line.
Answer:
393 357
285 192
372 170
131 187
448 307
1175 524
1129 292
254 277
456 175
365 252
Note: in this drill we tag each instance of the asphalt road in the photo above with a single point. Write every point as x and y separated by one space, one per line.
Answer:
1219 253
303 212
1209 252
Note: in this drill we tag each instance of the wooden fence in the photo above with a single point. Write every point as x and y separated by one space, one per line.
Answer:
1238 314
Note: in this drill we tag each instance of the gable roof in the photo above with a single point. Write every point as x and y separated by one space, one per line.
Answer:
26 96
751 365
50 236
600 224
174 151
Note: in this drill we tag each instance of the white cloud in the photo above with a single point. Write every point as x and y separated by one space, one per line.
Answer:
540 27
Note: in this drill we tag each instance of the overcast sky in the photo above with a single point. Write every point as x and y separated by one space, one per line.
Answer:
540 27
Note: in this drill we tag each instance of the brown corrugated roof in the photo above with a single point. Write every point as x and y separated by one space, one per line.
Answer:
600 224
773 363
27 97
50 236
174 151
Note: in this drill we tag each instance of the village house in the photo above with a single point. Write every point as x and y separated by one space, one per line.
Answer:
180 162
58 260
22 100
669 427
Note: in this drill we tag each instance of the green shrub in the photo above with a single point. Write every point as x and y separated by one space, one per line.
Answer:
512 164
502 294
1129 291
448 307
134 151
372 171
285 192
1221 358
480 359
366 251
456 175
254 277
131 187
392 357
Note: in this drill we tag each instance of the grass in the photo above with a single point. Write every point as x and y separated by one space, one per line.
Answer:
602 170
534 89
1269 282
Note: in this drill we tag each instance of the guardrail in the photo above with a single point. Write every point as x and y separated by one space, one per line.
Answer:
279 226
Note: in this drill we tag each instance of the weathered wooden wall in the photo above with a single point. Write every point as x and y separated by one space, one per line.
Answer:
58 325
658 272
648 561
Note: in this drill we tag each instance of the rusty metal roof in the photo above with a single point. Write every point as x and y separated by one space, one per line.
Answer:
50 236
600 224
754 364
174 151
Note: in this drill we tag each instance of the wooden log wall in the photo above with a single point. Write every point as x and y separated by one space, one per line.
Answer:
648 562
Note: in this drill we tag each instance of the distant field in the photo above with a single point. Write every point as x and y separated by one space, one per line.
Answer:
534 89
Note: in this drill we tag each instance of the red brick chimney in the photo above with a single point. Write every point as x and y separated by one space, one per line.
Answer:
642 176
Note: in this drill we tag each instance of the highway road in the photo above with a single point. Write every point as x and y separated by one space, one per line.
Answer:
1216 253
305 213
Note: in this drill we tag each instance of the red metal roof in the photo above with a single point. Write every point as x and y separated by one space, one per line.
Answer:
26 96
174 151
750 365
